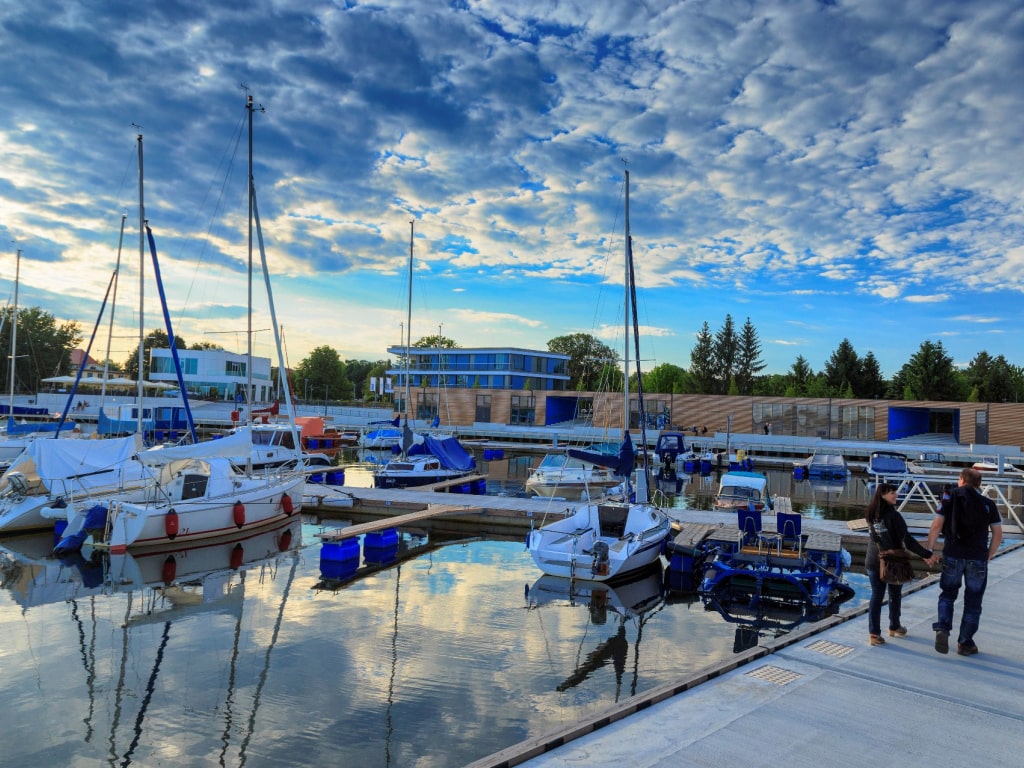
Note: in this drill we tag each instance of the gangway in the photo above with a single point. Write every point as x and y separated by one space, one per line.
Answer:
920 488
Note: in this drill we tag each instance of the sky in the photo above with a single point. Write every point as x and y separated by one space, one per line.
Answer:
829 170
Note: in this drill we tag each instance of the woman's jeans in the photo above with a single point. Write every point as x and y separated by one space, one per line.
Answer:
973 574
878 590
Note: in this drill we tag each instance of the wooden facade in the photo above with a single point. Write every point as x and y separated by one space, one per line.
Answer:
832 418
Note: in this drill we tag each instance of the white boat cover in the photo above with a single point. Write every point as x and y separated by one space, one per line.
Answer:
49 459
236 446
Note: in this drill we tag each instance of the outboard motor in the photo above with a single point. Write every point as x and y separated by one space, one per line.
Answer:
600 552
18 484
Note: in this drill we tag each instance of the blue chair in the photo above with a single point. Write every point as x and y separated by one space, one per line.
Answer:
789 525
749 520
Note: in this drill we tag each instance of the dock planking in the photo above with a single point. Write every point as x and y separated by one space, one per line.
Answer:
397 521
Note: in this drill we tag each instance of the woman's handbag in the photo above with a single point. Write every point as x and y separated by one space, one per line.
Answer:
893 564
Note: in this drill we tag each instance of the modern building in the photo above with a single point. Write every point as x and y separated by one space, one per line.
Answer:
435 374
213 374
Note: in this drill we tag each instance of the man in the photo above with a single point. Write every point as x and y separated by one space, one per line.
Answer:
964 520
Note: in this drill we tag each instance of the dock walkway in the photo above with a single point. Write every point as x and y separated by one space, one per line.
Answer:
822 695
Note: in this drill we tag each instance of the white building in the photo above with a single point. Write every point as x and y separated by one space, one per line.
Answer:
214 374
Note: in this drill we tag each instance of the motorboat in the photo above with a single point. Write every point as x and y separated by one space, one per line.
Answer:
600 541
434 460
740 489
561 475
822 464
888 464
990 465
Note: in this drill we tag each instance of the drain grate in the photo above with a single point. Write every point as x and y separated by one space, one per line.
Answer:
829 648
776 675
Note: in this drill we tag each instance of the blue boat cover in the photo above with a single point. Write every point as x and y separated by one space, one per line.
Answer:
622 463
449 452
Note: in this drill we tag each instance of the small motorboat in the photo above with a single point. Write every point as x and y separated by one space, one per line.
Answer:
740 490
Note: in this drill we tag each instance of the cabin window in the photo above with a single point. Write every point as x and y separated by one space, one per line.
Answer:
193 486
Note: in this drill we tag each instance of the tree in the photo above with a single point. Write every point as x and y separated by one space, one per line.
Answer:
44 348
930 374
726 353
800 374
872 383
992 379
842 368
702 362
748 358
324 373
436 342
588 359
667 379
156 339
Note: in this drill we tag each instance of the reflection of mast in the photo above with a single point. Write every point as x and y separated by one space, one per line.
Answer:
266 663
230 698
394 666
90 666
150 685
119 688
615 648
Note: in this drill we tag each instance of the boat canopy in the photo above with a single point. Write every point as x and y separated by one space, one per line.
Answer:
621 463
236 446
449 452
54 460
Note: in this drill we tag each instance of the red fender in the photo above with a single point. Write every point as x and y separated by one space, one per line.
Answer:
171 524
237 556
169 570
286 504
238 511
285 542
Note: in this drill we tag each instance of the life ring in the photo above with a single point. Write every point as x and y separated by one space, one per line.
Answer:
238 513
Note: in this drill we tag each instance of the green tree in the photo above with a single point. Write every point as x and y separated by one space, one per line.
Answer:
156 339
800 374
44 348
930 374
589 360
322 375
748 358
667 379
872 383
727 347
842 368
436 342
991 379
702 362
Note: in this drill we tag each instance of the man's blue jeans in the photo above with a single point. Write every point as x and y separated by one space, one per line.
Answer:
973 574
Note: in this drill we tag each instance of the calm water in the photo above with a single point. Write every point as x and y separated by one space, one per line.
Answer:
452 652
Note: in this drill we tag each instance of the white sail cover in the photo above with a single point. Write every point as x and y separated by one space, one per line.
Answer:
236 446
50 460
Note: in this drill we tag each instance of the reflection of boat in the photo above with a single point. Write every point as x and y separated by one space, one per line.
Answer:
739 489
633 600
768 619
823 464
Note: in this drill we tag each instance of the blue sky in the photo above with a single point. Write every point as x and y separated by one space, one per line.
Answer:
830 170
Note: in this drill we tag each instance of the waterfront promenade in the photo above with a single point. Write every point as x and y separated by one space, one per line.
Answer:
822 696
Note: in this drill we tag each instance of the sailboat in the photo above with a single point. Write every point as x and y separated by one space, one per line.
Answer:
606 539
431 458
198 494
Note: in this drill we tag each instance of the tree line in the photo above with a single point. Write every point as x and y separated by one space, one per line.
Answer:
725 362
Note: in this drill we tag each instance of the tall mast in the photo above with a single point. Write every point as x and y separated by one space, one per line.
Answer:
626 305
110 329
14 328
248 361
142 271
408 322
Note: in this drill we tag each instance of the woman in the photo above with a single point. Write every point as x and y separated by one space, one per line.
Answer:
892 533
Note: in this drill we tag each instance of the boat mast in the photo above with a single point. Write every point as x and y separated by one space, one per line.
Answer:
14 330
110 329
248 361
626 306
408 322
142 270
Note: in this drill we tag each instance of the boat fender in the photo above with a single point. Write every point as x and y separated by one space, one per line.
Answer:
237 556
285 542
169 570
171 524
238 512
286 504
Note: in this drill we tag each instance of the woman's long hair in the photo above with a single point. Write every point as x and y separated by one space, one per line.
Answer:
873 513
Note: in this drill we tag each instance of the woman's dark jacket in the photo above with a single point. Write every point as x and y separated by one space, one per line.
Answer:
893 534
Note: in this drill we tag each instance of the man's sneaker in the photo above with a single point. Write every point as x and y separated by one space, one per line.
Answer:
966 649
898 632
942 641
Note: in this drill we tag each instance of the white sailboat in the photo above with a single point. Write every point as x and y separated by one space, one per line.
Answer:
198 493
602 540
